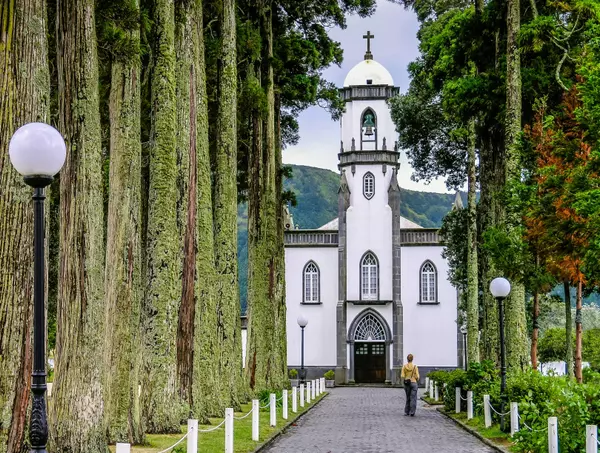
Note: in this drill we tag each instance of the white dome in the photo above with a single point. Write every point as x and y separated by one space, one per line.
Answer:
368 70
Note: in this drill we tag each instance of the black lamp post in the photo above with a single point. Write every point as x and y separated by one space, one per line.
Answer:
302 322
463 330
500 289
37 151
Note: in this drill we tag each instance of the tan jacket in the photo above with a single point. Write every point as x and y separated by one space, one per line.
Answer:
410 371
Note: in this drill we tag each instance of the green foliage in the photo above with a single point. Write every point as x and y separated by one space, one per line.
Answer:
329 375
454 231
293 373
552 346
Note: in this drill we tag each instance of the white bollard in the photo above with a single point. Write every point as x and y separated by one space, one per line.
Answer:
308 392
591 439
301 395
319 387
255 419
323 386
285 404
294 400
312 388
487 411
430 389
552 435
192 438
123 448
273 409
514 418
457 398
436 392
427 384
469 405
229 430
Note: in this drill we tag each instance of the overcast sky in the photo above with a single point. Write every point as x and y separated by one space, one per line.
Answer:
395 45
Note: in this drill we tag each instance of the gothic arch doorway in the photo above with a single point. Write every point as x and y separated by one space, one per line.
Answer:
369 337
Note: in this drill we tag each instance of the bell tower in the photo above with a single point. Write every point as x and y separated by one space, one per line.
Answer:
369 209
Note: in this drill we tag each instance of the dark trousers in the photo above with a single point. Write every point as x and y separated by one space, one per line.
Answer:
411 398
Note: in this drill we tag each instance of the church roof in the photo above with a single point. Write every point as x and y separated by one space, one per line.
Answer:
368 70
404 223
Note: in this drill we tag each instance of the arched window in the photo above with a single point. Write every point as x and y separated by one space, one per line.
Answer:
368 130
369 329
428 283
368 185
369 277
311 283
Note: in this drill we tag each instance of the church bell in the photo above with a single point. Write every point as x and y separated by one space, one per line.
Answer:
368 124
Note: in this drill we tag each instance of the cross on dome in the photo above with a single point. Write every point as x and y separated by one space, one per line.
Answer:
368 37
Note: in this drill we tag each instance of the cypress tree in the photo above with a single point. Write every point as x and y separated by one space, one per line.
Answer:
24 98
76 406
161 408
123 280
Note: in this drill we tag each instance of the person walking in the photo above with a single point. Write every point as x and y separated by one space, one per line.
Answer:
410 377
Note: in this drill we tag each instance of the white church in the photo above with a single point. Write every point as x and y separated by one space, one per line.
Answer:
372 285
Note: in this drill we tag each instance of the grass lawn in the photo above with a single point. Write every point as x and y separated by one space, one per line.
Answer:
492 433
214 442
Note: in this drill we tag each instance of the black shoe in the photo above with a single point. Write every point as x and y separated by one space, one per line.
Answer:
412 415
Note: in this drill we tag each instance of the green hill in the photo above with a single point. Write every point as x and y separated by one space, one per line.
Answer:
316 192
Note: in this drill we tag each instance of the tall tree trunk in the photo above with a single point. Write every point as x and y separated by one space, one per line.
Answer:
489 169
76 416
472 267
515 317
225 212
568 329
24 98
536 330
161 408
578 334
207 393
123 280
264 346
186 49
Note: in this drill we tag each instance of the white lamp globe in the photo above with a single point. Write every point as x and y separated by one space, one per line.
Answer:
37 149
302 321
500 287
463 329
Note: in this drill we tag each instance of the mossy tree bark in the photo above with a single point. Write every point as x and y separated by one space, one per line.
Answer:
24 98
472 267
76 409
227 337
515 319
123 281
197 347
161 405
264 367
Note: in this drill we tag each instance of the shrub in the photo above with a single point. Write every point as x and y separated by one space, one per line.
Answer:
293 373
330 375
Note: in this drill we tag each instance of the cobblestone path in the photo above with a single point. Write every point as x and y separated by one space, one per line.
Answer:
371 420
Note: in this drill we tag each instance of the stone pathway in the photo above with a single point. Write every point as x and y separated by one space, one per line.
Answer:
371 420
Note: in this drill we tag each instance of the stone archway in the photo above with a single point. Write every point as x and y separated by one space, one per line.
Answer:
369 338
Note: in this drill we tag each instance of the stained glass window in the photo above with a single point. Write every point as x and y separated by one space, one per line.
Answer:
311 283
369 277
428 283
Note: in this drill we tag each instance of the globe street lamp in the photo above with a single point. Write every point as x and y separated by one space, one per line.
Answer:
302 322
463 330
38 152
500 289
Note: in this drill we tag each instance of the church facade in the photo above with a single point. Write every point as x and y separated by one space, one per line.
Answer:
372 285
